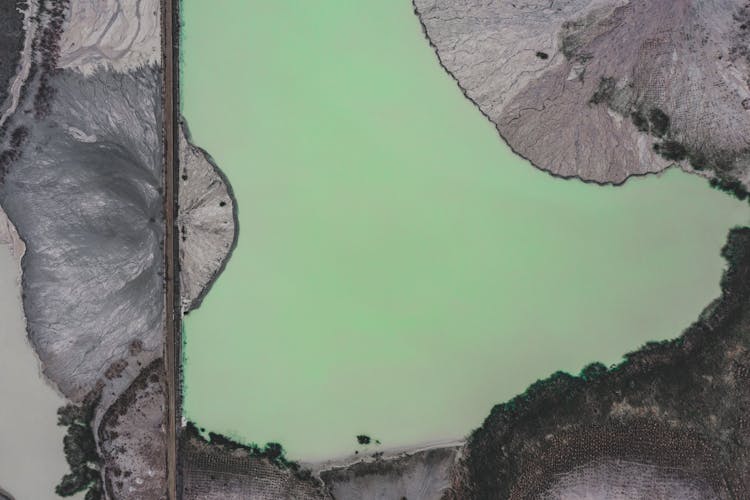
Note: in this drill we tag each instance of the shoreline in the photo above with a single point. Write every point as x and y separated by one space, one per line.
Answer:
9 237
384 455
33 399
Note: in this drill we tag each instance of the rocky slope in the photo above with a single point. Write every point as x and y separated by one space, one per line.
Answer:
85 198
207 221
605 89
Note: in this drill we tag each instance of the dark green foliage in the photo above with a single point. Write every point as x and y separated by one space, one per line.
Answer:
11 43
671 150
96 492
697 160
271 451
78 480
640 121
80 451
604 92
659 122
79 446
69 414
733 187
363 439
221 440
592 371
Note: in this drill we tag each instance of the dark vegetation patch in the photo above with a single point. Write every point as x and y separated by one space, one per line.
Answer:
604 92
542 55
730 186
11 43
659 122
47 52
13 153
364 439
80 450
671 150
273 452
656 122
640 121
219 467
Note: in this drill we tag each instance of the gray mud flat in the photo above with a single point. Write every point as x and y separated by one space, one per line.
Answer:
85 198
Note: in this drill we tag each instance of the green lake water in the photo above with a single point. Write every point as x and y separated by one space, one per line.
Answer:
399 271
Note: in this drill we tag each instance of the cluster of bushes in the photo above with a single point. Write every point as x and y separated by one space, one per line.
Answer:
671 150
733 187
48 48
657 123
80 452
13 153
273 452
604 92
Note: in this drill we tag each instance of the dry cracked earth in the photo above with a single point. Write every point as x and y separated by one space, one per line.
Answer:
599 90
